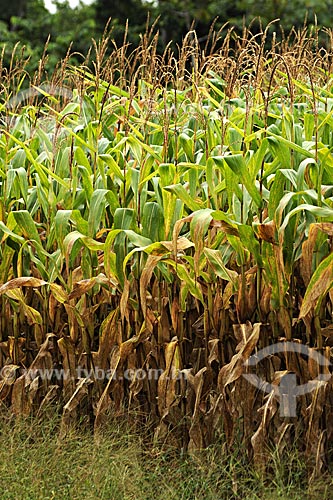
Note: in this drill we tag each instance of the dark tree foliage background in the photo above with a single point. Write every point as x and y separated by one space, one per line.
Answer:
132 11
30 23
176 16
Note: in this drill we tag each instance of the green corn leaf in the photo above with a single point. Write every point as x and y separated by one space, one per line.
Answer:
96 209
322 212
167 173
240 168
214 258
184 196
73 243
82 159
123 219
136 238
184 276
113 166
61 225
87 183
42 171
145 147
198 229
23 182
250 242
280 150
276 193
291 145
187 144
80 223
27 226
42 197
152 221
110 263
231 180
7 232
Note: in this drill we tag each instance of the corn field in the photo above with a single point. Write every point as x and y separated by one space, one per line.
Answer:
171 215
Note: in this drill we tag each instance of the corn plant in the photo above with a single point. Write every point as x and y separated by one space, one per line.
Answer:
170 219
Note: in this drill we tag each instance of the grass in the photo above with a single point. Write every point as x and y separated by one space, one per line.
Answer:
35 464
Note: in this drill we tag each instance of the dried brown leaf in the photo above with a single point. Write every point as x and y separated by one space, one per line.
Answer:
267 232
19 282
233 370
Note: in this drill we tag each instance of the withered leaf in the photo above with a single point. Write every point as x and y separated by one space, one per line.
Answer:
233 370
19 282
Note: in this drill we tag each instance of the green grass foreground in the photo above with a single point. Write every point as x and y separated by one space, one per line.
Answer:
122 464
